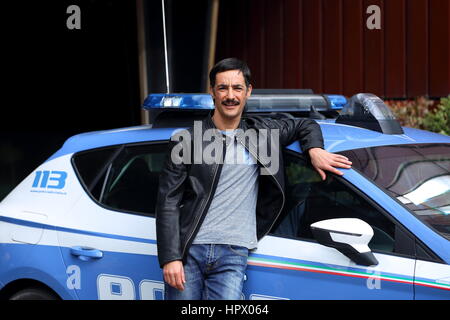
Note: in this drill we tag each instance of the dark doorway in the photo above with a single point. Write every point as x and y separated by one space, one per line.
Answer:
61 82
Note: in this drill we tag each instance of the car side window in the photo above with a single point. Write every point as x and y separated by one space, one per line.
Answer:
122 178
309 199
91 166
131 181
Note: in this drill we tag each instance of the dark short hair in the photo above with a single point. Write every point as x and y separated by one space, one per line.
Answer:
230 64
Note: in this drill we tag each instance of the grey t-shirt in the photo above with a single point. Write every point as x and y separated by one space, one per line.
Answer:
231 218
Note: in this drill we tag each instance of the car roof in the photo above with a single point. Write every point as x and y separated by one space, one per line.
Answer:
337 137
340 137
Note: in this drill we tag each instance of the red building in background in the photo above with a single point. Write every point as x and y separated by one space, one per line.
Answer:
327 46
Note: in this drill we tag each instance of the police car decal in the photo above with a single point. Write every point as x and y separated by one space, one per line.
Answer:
312 266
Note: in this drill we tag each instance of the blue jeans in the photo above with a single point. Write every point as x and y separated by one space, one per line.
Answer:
212 272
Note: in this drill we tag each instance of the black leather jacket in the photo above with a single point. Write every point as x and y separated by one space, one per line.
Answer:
186 190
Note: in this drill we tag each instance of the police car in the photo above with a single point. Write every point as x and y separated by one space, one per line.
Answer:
82 225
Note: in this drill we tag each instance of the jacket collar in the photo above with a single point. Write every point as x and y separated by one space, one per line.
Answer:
209 123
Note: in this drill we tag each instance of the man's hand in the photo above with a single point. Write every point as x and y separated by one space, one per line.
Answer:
174 274
323 160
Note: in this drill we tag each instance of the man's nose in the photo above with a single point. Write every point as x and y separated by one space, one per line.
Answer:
230 93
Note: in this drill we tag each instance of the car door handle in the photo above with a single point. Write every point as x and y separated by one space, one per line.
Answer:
85 253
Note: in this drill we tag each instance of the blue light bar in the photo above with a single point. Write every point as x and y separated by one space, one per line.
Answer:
197 101
294 102
255 103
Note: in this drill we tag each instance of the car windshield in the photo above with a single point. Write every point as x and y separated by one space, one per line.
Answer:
418 175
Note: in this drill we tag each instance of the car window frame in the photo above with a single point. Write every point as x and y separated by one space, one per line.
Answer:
107 165
407 235
387 192
431 255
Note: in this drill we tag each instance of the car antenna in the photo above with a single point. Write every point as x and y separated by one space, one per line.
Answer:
166 60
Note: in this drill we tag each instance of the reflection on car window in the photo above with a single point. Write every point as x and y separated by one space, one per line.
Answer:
132 179
309 199
418 175
90 166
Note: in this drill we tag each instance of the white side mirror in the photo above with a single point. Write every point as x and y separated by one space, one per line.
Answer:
349 236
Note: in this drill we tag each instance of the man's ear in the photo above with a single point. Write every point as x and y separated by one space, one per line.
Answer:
249 90
211 92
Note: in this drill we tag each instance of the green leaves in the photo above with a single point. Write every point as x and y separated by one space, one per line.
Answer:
423 113
439 119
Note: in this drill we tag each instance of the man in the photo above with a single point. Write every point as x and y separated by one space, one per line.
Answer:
209 216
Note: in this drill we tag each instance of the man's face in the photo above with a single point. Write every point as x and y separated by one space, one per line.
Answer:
230 94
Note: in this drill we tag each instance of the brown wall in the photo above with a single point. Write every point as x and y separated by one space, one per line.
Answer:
325 45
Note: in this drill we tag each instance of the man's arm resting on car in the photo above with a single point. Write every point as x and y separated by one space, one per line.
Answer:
323 160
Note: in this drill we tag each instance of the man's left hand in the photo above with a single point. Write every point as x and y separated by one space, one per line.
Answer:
323 160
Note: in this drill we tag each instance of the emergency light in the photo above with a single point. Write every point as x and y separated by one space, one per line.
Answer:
181 109
337 102
179 101
294 102
255 103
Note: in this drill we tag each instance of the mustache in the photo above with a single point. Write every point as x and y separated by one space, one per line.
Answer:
230 102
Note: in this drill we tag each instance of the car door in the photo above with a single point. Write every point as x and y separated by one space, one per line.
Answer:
290 264
432 280
109 241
